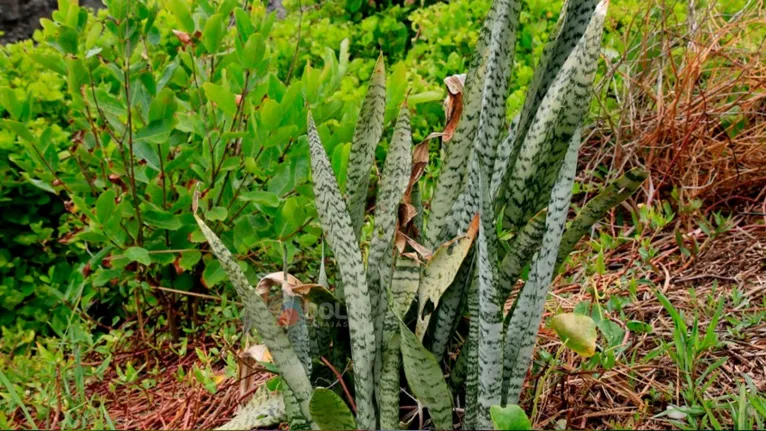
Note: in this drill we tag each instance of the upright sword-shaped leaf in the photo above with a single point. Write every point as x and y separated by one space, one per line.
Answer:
483 112
560 113
340 235
393 183
369 129
528 311
573 21
273 336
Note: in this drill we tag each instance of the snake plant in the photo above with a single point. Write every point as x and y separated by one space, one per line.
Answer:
404 300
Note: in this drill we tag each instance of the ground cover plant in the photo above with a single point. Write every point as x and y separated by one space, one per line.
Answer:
668 284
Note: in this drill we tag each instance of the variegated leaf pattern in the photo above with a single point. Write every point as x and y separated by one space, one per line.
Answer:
257 312
336 224
502 158
528 311
574 19
295 417
523 246
393 183
425 379
404 285
612 195
559 115
369 129
330 412
265 409
439 273
490 310
483 110
471 352
388 393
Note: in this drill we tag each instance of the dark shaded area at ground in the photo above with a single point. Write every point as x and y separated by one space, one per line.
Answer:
20 18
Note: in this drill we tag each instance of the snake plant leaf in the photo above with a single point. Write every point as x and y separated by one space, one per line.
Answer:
273 336
404 285
483 115
330 412
388 393
490 311
528 311
504 151
574 19
510 417
369 129
338 229
393 184
560 113
296 420
522 247
471 352
265 409
425 379
439 273
612 195
577 332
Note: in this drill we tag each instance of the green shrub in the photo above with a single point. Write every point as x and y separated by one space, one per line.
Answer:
126 176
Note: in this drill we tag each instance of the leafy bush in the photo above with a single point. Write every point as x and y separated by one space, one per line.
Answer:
206 110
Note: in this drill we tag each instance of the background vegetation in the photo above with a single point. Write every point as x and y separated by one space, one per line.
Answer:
111 310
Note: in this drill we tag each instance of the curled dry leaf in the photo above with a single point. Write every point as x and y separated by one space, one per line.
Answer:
288 283
453 104
258 352
183 37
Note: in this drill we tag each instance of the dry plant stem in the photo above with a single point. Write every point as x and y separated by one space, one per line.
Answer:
342 383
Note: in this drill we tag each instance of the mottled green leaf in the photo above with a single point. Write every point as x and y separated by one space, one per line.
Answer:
425 379
369 129
330 412
339 231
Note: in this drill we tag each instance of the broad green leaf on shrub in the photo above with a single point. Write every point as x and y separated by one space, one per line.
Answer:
369 129
330 412
138 254
339 232
222 97
289 218
261 197
217 213
511 417
161 219
425 379
265 409
52 62
254 50
21 130
213 33
180 8
213 273
105 205
577 332
258 314
9 100
612 195
439 273
156 132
